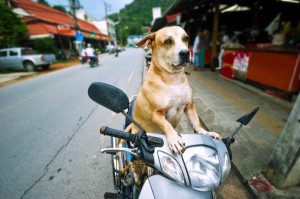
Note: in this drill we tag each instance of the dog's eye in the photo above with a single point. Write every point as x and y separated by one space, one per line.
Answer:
185 39
168 41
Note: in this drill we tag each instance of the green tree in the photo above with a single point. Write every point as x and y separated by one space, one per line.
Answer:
136 17
45 2
12 30
59 7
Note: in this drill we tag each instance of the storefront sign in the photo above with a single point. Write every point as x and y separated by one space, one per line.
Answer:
92 35
79 36
241 61
63 29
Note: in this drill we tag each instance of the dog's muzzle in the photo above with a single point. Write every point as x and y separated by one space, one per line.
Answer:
184 56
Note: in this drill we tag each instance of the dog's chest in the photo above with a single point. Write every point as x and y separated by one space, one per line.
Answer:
178 98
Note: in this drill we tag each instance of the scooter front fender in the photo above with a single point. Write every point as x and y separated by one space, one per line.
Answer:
160 187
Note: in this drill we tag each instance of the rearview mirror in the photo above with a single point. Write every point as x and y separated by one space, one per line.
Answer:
108 96
245 119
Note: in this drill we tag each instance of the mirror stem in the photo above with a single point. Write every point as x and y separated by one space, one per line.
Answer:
133 121
236 130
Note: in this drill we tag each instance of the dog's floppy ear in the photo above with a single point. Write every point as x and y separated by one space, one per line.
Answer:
147 41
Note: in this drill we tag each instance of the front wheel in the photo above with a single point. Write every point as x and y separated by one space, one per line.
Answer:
29 66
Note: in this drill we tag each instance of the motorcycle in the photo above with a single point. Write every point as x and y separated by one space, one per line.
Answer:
148 57
93 61
202 167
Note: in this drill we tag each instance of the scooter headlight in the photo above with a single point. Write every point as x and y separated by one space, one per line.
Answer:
170 166
203 166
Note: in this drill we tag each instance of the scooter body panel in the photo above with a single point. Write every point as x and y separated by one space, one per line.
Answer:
160 187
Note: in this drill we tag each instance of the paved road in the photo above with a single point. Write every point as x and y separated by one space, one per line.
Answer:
49 140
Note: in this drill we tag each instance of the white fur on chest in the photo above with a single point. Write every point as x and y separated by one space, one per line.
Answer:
179 97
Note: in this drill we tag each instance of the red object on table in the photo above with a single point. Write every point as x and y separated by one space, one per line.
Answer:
275 69
227 70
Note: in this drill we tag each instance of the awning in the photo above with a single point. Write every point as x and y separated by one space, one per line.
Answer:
41 29
52 21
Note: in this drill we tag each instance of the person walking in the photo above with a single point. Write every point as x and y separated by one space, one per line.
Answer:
203 45
224 44
196 49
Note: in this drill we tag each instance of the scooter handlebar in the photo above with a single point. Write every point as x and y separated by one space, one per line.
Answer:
117 133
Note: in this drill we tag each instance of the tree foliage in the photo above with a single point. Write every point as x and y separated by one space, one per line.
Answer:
12 30
59 7
136 17
45 2
45 45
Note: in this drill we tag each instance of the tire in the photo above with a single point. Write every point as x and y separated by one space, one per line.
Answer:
92 63
29 66
46 67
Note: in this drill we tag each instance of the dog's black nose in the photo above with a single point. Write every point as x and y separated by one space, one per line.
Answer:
185 55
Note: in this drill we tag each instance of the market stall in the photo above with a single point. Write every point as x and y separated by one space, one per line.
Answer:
274 68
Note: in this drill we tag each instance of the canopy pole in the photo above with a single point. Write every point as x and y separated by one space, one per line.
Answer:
214 59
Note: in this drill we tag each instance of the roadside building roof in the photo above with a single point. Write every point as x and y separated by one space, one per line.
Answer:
46 20
192 10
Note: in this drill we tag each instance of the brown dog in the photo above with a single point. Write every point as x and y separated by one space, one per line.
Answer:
166 93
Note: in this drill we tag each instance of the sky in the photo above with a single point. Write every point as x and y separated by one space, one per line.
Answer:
95 8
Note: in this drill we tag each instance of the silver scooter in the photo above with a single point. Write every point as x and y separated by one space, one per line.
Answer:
202 167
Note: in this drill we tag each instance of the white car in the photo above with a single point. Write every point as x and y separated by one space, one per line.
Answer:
24 58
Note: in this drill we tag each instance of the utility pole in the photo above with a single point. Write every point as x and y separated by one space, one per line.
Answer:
284 168
106 5
73 8
74 5
215 36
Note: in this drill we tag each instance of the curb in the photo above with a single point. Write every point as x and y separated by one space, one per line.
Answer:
281 102
12 76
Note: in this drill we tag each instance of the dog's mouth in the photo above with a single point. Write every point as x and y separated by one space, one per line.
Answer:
183 64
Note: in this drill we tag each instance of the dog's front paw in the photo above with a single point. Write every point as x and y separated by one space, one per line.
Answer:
212 134
176 143
215 135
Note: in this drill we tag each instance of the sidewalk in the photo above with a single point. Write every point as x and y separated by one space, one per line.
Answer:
220 103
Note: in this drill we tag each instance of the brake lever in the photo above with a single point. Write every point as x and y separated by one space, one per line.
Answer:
113 151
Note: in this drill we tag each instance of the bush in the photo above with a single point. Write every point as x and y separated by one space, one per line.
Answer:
45 45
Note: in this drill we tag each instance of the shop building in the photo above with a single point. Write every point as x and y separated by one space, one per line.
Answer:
45 22
264 47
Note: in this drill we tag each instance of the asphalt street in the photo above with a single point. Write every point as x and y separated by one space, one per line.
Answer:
49 138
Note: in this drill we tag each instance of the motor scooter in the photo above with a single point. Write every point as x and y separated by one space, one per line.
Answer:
93 61
148 57
202 167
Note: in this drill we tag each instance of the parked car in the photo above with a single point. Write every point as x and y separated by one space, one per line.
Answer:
24 58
